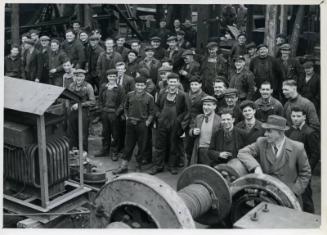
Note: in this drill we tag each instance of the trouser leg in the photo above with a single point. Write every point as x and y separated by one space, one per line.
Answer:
174 144
72 129
142 142
85 127
203 156
130 141
160 147
106 131
308 205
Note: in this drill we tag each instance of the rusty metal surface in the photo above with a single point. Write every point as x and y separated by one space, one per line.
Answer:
32 97
272 216
148 193
250 190
209 177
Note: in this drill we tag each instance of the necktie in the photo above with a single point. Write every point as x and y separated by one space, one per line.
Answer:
206 118
275 149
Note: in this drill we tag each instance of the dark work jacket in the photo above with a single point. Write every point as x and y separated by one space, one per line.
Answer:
293 71
153 68
75 52
196 104
177 60
237 50
92 59
311 140
32 69
159 53
13 66
217 143
267 69
111 101
106 62
128 84
191 69
182 107
311 90
254 133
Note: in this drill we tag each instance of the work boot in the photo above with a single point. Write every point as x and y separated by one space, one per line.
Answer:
123 168
155 170
173 170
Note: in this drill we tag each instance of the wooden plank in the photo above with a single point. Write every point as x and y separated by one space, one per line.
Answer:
43 161
278 217
15 24
80 143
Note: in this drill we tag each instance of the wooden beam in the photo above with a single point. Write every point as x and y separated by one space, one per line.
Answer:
15 23
43 161
80 143
297 30
271 28
87 16
283 19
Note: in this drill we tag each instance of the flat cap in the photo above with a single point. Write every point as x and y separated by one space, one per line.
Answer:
239 57
118 36
94 37
132 51
111 71
29 41
209 98
165 69
55 41
180 32
134 40
308 64
140 79
212 44
195 78
148 48
187 52
250 45
156 38
230 91
241 34
171 38
34 31
44 38
262 45
172 76
78 71
248 103
144 72
285 46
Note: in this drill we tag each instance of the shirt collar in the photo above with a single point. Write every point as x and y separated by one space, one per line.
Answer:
280 144
300 127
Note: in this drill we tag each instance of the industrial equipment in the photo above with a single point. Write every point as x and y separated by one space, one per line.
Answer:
36 153
267 215
232 170
140 200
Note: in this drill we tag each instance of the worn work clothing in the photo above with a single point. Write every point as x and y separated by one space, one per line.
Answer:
220 142
244 83
13 66
192 68
31 65
255 132
266 108
106 61
75 52
56 60
292 167
311 90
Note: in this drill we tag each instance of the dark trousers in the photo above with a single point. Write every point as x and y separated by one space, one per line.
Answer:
147 155
121 125
73 128
110 128
203 156
307 201
95 82
137 133
166 139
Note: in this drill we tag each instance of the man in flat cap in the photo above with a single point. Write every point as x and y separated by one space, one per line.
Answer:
111 102
188 69
242 79
163 32
85 91
45 50
226 141
93 53
150 63
311 85
174 53
219 87
250 124
291 67
266 68
232 104
120 46
212 66
136 46
139 112
159 51
181 42
31 62
35 35
202 128
195 96
190 32
280 40
172 120
240 47
250 54
278 156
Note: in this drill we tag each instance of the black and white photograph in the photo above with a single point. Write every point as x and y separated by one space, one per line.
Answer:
162 116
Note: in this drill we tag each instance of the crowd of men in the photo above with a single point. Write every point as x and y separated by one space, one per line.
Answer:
181 107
